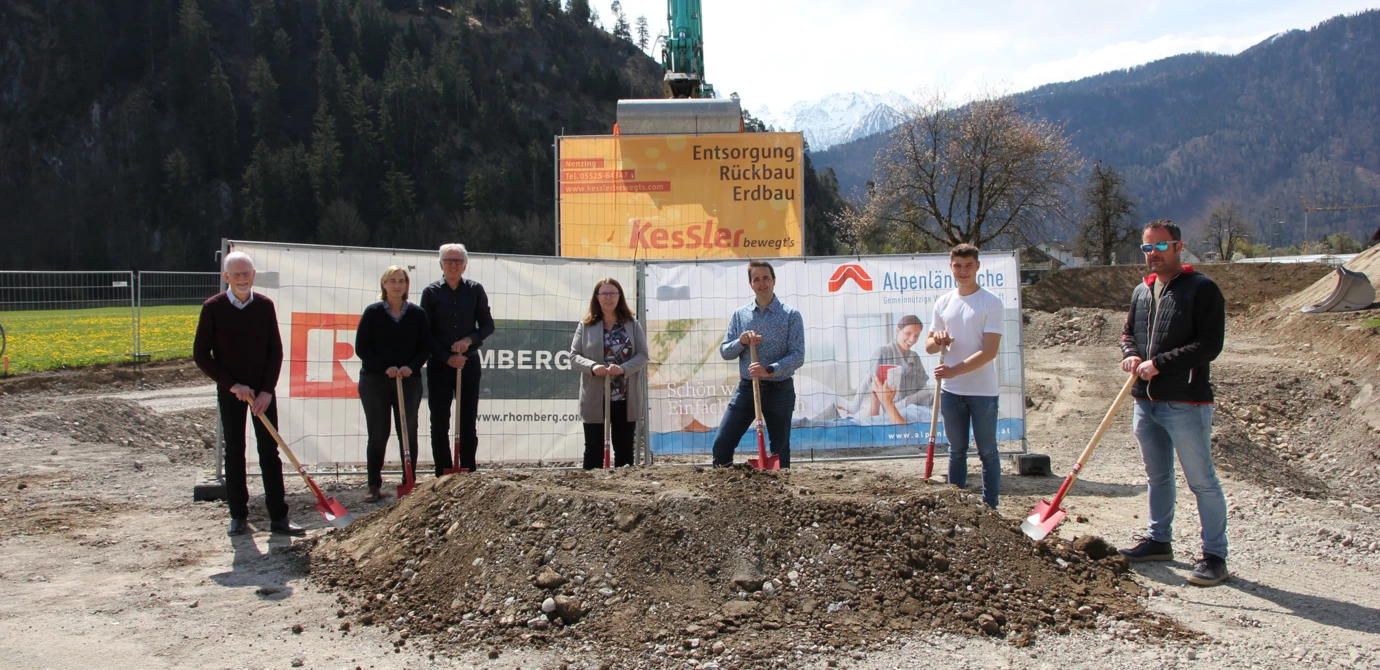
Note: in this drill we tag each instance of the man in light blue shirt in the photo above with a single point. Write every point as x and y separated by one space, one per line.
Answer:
779 333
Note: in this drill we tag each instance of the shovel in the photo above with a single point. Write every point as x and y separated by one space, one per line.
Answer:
405 487
934 418
330 508
763 461
455 464
608 430
1047 514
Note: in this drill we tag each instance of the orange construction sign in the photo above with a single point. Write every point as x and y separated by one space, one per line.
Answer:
682 196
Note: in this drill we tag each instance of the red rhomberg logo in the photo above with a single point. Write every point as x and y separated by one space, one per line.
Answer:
850 271
320 346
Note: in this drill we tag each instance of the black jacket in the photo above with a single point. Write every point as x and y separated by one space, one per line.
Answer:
1187 335
382 343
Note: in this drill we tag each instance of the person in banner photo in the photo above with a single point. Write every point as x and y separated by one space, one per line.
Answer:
393 341
896 380
238 345
968 320
458 310
609 342
778 330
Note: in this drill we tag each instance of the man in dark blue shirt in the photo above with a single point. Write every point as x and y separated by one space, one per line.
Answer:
458 309
779 331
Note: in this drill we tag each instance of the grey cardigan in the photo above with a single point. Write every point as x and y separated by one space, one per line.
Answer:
587 351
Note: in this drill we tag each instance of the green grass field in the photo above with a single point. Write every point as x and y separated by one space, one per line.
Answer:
47 340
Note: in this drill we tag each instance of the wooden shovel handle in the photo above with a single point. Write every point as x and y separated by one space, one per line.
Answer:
1106 423
938 387
756 387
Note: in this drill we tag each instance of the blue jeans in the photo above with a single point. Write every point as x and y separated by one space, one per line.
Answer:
1162 429
778 402
979 411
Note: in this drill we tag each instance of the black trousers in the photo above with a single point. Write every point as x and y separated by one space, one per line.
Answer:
379 395
233 413
440 384
621 431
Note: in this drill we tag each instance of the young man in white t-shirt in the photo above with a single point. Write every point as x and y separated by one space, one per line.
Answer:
969 321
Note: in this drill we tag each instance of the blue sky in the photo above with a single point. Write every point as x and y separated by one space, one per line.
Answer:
776 53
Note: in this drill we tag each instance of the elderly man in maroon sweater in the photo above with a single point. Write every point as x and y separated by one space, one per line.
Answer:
237 345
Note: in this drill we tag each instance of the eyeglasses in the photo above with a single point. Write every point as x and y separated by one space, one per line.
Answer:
602 294
452 261
1158 246
239 275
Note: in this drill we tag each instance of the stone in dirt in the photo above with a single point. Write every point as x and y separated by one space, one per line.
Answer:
1094 546
548 578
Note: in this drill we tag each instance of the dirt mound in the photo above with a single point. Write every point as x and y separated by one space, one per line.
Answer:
1243 284
112 421
726 566
1073 326
1367 262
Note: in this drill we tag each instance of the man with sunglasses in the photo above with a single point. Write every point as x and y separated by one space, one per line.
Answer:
1174 330
458 309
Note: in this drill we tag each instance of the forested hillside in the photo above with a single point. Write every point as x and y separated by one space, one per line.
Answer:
1296 115
137 134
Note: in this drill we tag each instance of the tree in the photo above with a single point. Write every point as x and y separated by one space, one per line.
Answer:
620 22
579 10
341 224
1108 221
1226 230
268 111
325 158
644 33
982 172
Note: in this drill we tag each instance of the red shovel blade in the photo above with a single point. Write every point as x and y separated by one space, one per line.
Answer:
456 469
1042 521
404 489
334 512
763 461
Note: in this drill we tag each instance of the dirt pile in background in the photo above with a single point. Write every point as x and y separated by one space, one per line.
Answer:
727 567
1242 284
111 421
1076 326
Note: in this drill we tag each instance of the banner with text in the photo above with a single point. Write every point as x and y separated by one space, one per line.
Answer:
681 196
866 385
528 409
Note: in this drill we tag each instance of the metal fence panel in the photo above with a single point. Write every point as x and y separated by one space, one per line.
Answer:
169 304
66 319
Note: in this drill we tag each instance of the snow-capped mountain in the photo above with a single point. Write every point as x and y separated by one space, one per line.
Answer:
839 117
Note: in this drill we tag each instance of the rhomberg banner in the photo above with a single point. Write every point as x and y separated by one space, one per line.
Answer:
681 196
867 383
528 407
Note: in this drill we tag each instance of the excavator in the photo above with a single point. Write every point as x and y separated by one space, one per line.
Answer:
690 106
682 56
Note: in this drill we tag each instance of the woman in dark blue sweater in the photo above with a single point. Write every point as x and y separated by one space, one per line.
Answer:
392 341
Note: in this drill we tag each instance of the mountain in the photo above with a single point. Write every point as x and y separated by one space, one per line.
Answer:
839 117
139 133
1295 115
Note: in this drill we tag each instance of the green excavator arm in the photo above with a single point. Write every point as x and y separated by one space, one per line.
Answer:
683 54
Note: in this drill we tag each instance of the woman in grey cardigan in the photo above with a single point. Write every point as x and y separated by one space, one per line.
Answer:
609 343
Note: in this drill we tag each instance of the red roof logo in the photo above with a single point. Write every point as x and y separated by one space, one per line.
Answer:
850 271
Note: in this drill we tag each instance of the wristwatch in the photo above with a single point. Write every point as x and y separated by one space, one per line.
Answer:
771 369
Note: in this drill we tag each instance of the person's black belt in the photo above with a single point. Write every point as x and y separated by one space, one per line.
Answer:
770 382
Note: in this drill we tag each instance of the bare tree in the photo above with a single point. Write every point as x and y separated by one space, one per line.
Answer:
1226 228
977 173
1109 220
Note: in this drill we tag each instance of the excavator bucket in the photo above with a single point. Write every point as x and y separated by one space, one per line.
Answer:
1353 292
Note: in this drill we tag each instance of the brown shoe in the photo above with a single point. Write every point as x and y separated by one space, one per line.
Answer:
374 494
